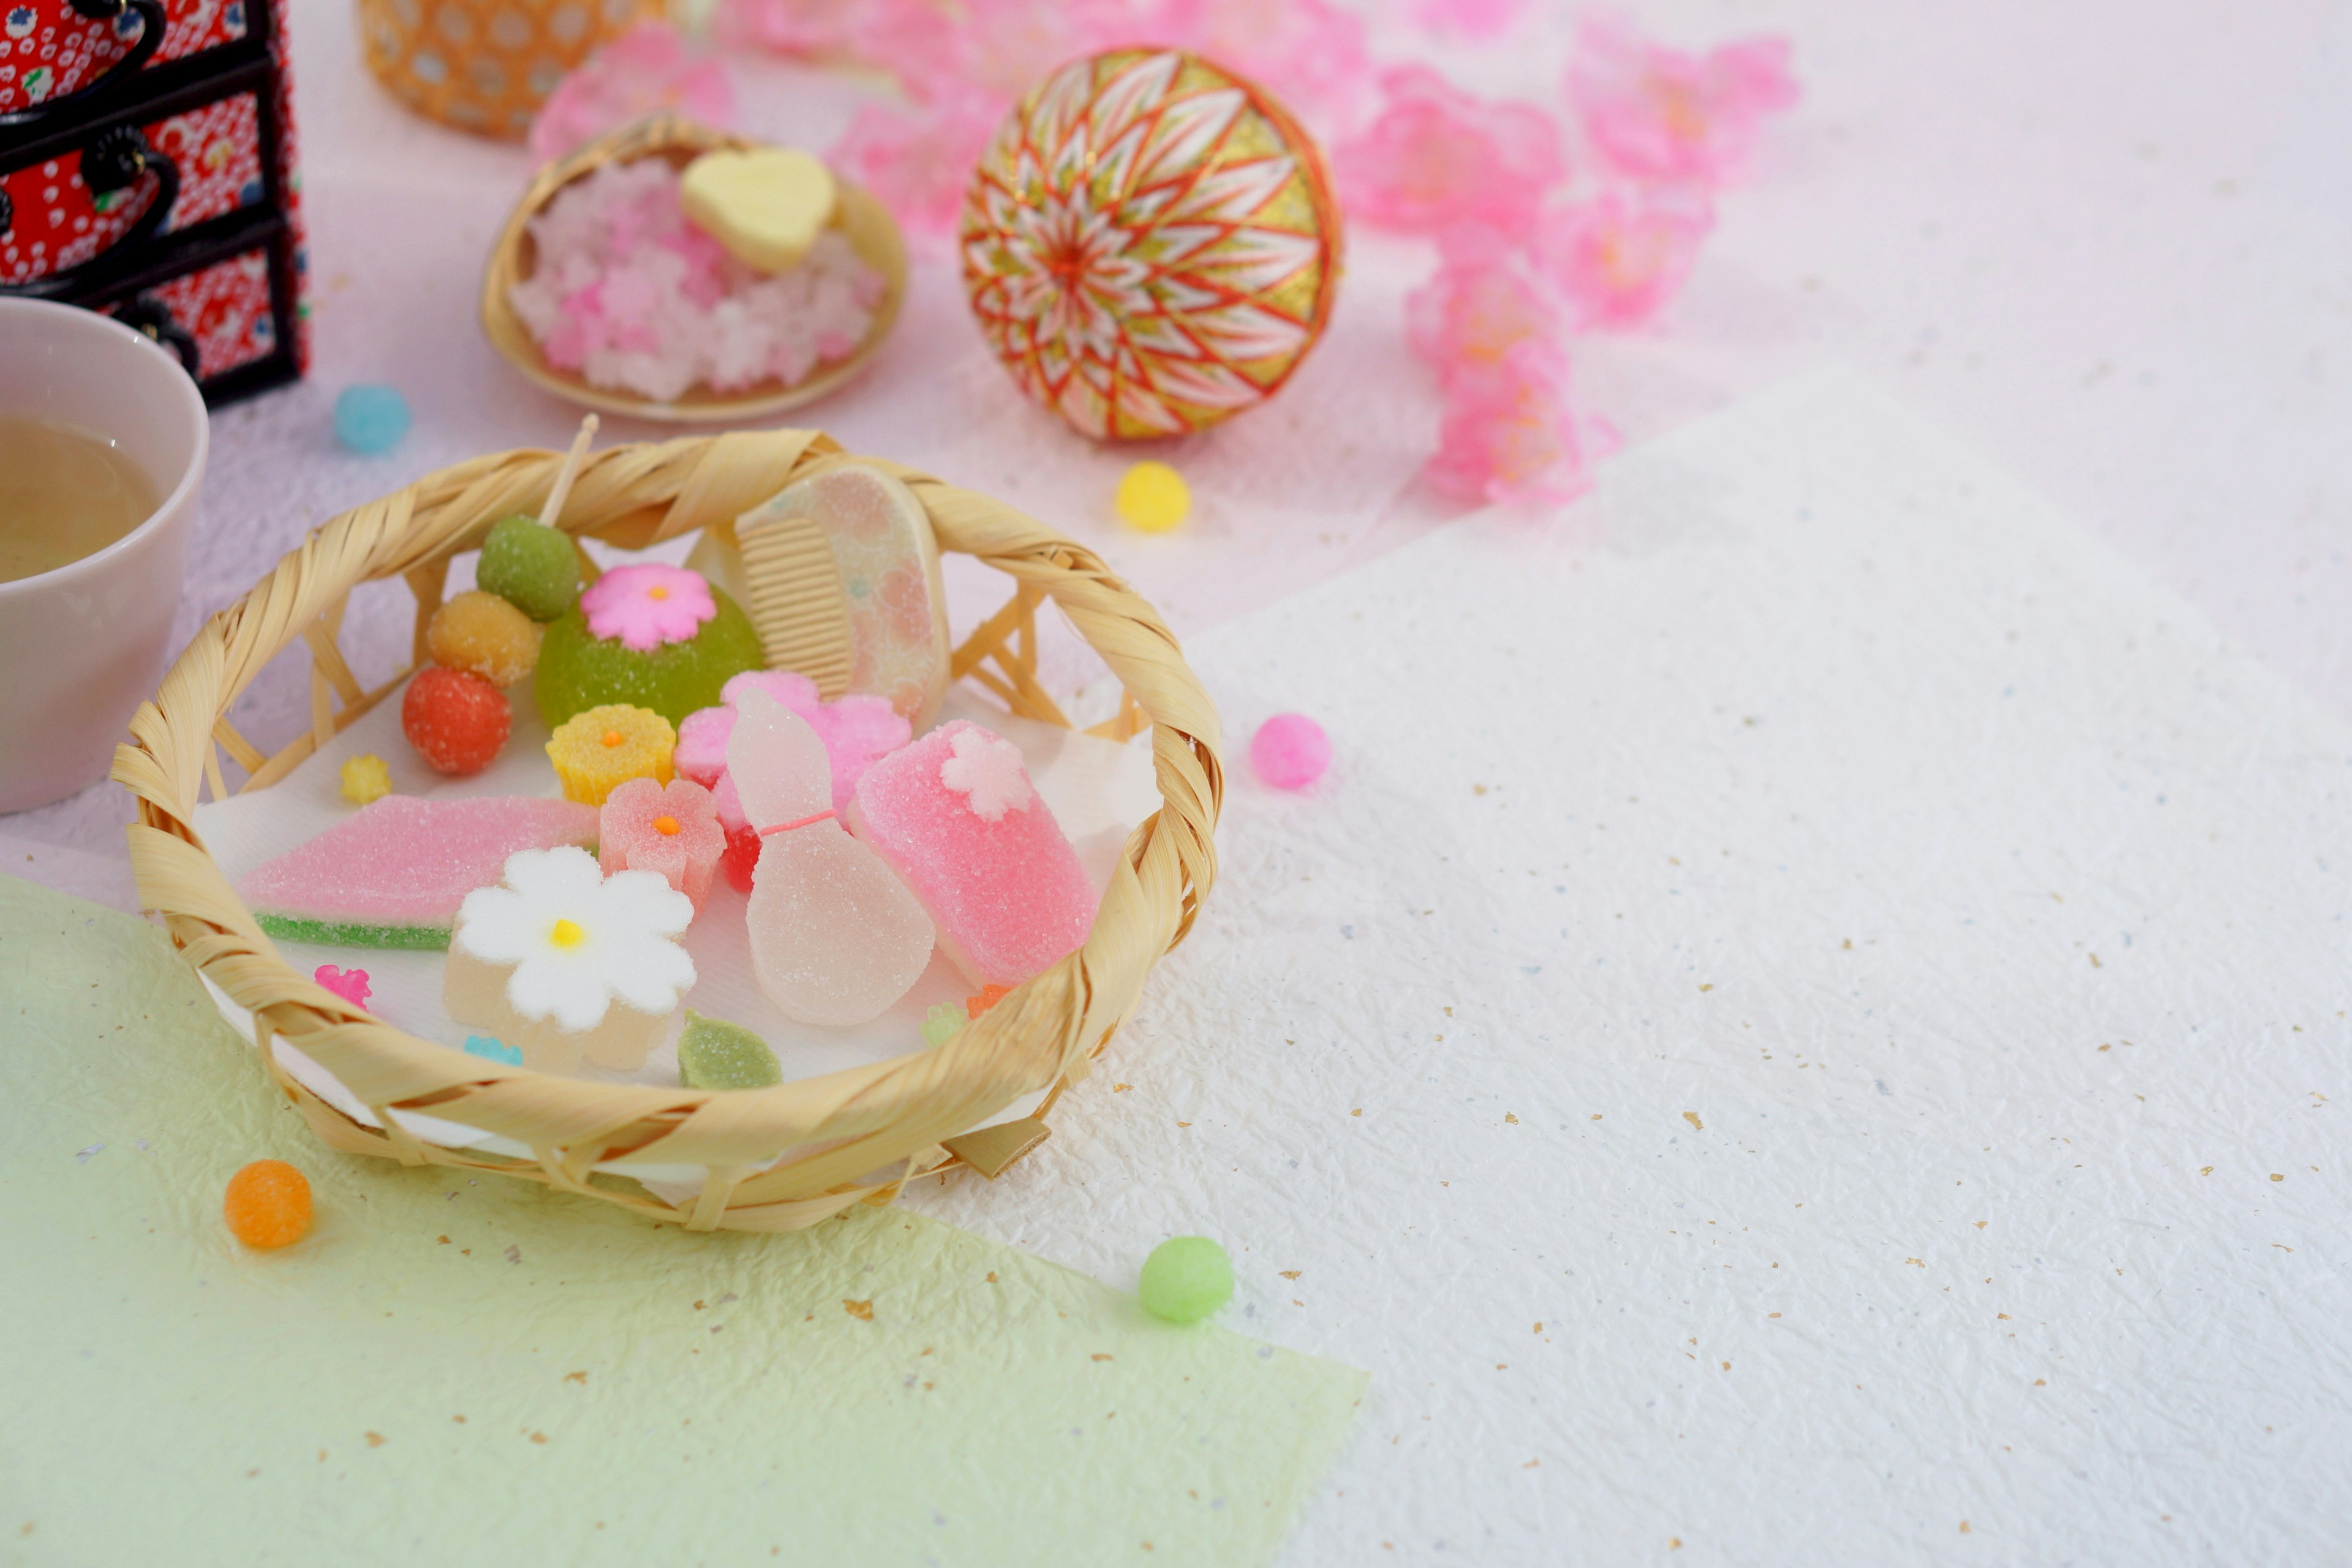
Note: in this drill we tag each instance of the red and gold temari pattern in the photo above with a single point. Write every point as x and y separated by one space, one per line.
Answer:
1150 243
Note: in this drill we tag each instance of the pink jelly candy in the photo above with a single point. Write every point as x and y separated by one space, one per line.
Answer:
1290 751
956 817
350 984
855 729
672 828
743 853
835 938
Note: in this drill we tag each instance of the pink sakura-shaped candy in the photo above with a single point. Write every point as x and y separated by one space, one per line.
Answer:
350 984
1656 113
671 829
855 729
1434 156
835 938
956 817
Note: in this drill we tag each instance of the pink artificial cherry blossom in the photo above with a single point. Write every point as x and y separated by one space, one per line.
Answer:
648 606
1656 113
1511 435
1618 257
1484 301
1311 53
1435 156
1470 18
803 29
646 68
918 159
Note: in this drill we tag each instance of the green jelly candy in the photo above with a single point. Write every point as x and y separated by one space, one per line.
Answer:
1186 1278
579 670
940 1023
530 566
713 1054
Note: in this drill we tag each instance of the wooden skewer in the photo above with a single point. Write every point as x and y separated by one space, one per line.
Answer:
569 472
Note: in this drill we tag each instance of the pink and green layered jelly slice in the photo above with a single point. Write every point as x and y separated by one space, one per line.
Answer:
394 873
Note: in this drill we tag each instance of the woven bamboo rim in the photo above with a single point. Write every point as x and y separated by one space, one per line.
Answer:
867 223
848 1136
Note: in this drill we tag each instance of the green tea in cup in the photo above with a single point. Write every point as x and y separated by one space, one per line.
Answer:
64 493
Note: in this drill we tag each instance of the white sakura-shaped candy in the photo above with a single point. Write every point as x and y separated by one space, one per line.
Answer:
835 938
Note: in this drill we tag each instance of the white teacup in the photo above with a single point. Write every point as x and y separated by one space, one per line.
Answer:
81 647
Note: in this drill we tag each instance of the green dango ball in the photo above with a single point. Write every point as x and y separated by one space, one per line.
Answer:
579 670
1186 1278
530 566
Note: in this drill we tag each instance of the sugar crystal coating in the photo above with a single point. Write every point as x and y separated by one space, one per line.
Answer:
856 729
598 750
1186 1278
671 829
956 817
366 778
267 1204
530 565
394 873
578 669
835 938
1290 751
715 1054
483 635
455 720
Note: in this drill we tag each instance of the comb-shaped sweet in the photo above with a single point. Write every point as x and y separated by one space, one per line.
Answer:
561 962
394 873
670 828
955 815
835 938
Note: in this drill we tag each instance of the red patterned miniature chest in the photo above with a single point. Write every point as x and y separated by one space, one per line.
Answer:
147 170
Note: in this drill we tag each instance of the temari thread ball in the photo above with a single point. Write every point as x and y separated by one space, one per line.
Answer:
1151 243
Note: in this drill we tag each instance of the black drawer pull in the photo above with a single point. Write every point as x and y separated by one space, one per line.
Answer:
150 315
117 77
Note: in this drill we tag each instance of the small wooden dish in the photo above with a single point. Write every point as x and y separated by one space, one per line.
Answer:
866 222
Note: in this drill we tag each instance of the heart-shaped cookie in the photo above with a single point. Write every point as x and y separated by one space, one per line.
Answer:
766 206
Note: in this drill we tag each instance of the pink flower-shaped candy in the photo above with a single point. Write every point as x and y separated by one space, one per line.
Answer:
1484 301
1511 435
1617 259
648 606
350 984
1435 157
670 828
1656 113
646 68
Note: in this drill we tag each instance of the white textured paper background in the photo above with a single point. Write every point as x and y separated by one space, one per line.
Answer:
1856 964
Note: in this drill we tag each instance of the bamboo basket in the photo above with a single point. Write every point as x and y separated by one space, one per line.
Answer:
778 1159
863 220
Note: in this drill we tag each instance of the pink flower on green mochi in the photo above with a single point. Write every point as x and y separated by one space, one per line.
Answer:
1511 434
645 606
671 829
1656 113
1617 258
645 69
1435 156
1482 302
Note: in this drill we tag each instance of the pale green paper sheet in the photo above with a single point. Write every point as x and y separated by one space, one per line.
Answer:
629 1392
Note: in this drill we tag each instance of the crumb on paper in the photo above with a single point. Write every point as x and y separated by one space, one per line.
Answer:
375 1439
861 1311
1101 1355
1692 1117
578 1377
1120 1087
1291 1273
538 1436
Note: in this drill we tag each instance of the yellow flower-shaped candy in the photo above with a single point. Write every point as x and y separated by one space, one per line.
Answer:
367 778
598 750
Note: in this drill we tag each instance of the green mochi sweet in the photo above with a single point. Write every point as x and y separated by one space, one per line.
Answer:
579 670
